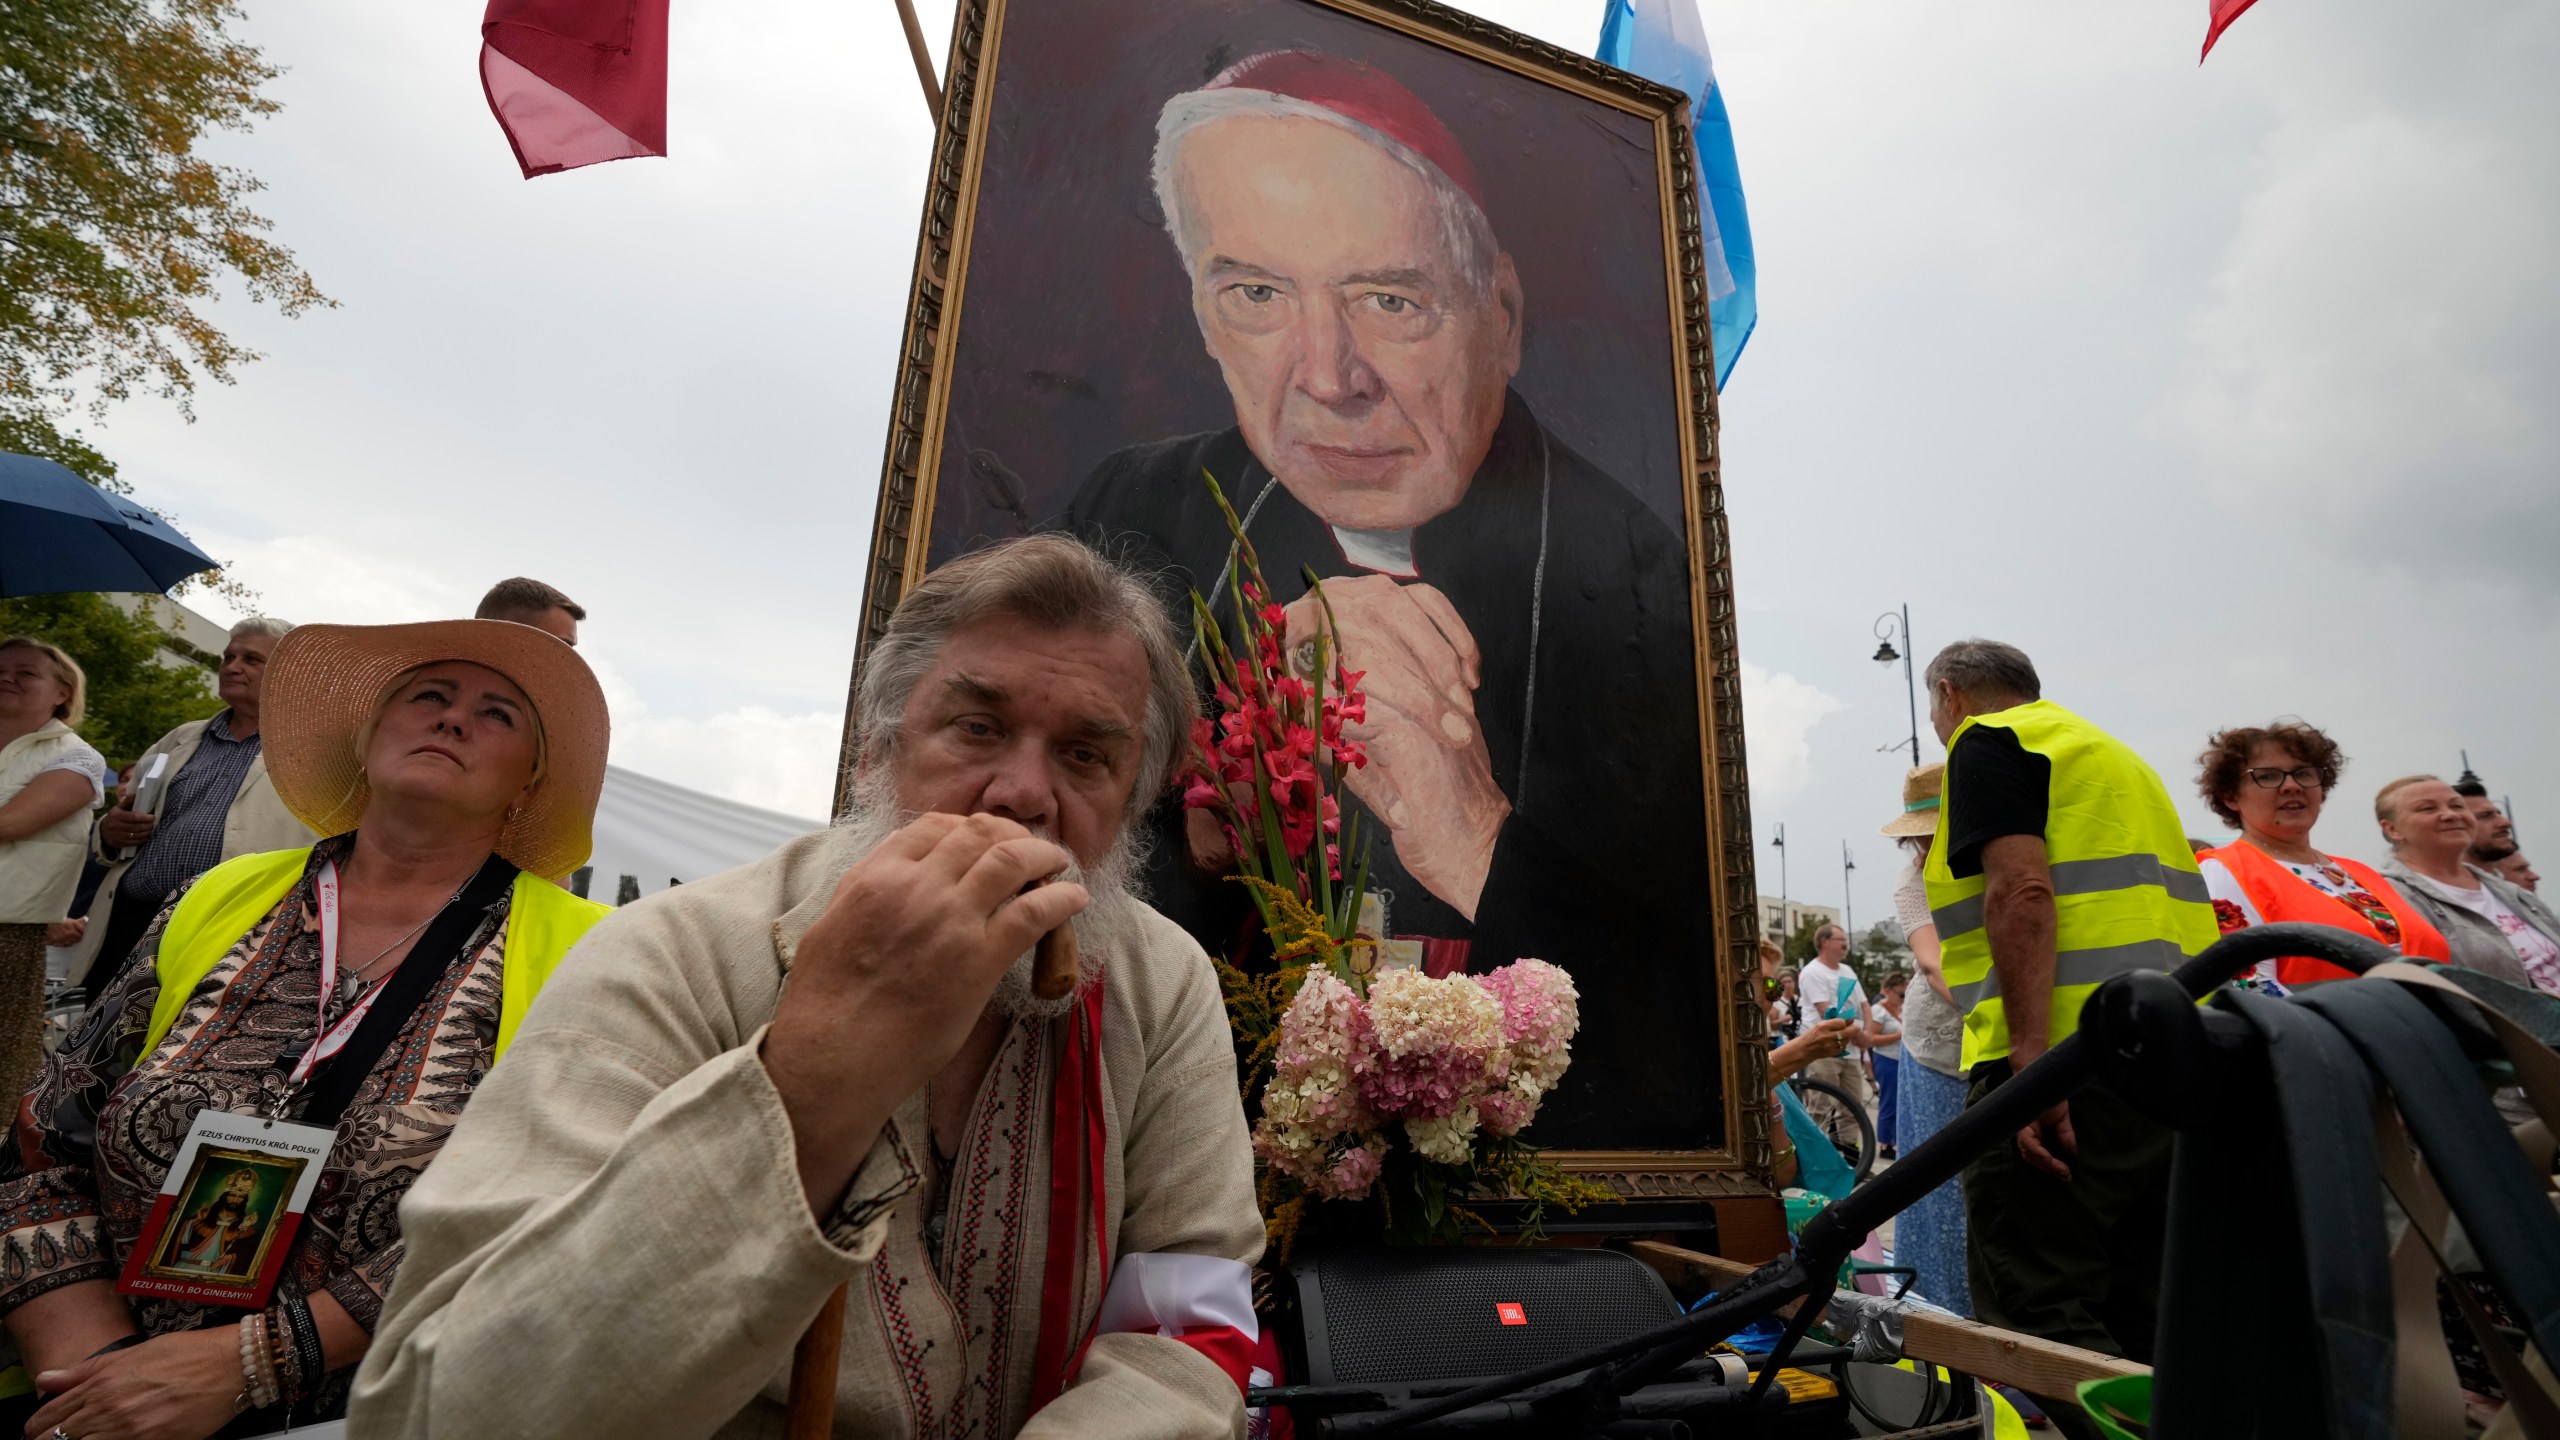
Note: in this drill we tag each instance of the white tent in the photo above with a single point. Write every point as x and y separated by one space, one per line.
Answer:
660 834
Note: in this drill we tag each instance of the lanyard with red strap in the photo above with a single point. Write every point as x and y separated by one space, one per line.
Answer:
333 1038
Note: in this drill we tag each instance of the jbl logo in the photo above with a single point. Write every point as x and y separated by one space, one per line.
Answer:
1511 1312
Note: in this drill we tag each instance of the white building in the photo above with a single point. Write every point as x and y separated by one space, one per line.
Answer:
193 641
1778 922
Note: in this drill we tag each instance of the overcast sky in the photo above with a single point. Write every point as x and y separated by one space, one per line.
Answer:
2226 392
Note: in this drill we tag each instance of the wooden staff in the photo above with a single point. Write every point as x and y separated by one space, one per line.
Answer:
1053 964
810 1414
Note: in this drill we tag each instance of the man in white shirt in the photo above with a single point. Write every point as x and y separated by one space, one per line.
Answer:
1829 988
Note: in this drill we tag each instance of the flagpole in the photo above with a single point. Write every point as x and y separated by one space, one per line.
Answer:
923 58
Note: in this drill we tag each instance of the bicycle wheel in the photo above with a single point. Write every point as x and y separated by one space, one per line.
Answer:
1843 1120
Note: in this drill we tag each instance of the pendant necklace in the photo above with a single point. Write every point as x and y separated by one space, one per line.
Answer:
353 983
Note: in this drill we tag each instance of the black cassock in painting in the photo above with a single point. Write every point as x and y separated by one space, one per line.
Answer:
1576 597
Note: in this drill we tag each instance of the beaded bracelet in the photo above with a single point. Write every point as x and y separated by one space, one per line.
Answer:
267 1364
253 1360
248 1373
281 1357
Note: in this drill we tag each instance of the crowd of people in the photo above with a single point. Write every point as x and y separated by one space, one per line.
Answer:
327 910
309 933
371 804
2045 857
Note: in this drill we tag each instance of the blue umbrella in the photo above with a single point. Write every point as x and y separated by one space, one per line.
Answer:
59 534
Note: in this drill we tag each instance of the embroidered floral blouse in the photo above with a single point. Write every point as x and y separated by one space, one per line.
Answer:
91 1148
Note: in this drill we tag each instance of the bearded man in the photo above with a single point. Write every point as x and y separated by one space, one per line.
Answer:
829 1067
1522 619
2493 835
219 1237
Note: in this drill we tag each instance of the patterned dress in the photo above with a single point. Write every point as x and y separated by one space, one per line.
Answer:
92 1142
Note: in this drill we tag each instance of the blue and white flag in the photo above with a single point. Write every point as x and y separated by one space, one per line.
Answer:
1663 41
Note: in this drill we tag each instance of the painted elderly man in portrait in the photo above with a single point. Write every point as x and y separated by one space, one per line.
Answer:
1523 620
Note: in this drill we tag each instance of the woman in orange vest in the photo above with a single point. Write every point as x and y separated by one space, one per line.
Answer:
2270 783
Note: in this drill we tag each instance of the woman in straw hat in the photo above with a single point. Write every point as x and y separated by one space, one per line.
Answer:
361 986
1929 1236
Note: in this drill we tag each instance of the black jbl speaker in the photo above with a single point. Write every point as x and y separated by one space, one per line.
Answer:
1395 1319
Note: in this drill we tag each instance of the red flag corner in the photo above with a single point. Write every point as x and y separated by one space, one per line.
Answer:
575 82
2224 12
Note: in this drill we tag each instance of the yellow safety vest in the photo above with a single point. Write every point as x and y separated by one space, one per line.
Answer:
2127 893
543 921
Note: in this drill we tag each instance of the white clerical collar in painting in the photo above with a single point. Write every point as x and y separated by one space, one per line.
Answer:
1389 552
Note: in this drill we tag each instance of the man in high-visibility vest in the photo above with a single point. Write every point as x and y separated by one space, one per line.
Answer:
2059 862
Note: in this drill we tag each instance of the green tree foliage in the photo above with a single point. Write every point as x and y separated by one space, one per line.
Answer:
1878 951
115 233
134 699
1799 947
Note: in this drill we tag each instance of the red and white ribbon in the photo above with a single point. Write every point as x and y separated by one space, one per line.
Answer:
333 1038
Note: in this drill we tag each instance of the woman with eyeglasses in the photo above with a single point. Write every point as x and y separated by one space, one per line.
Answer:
2270 783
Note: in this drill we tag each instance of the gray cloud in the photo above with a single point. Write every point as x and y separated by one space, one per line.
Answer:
2220 389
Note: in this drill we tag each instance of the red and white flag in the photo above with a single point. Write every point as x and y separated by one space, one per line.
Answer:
573 82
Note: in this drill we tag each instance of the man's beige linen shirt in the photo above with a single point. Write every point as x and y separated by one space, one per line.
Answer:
614 1241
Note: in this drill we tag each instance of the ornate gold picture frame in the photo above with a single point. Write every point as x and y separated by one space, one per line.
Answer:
1013 382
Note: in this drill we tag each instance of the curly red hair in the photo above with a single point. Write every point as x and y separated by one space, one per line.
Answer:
2222 769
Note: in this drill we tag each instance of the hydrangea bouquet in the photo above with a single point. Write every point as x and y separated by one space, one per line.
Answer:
1393 1087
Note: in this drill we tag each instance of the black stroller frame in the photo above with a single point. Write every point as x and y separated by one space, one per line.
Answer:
2137 1031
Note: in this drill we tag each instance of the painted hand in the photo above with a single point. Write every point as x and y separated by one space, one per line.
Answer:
1429 775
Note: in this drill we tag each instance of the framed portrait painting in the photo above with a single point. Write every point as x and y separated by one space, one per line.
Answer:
1424 300
225 1221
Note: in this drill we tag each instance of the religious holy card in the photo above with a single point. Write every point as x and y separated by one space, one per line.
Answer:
224 1221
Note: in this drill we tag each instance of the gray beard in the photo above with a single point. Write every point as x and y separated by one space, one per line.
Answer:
872 814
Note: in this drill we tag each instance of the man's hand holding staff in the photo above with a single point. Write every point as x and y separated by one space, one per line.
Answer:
888 983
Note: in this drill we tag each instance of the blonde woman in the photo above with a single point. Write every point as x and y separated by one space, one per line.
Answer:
50 779
355 991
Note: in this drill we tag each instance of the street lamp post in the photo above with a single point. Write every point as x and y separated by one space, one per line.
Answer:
1888 631
1848 905
1786 920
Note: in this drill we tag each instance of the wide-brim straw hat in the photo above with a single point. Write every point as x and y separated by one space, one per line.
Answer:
325 682
1920 790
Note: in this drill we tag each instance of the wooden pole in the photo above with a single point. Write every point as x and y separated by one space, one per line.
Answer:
2040 1367
923 58
811 1411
